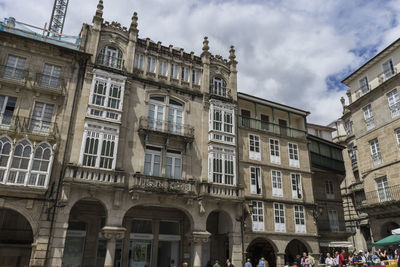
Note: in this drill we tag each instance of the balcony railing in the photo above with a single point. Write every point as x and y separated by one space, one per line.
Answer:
376 158
271 127
110 61
143 182
14 74
220 190
49 82
385 195
330 163
89 175
166 127
220 91
19 124
370 123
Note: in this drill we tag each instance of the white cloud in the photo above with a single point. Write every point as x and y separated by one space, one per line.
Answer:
286 49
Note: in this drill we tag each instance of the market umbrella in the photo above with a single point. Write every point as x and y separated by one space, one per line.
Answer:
387 241
396 231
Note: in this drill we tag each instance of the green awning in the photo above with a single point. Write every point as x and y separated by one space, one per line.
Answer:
388 241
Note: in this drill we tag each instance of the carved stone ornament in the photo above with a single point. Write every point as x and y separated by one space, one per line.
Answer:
202 210
113 232
200 237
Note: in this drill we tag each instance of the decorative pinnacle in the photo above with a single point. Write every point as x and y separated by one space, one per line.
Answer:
134 22
100 7
342 101
232 53
205 44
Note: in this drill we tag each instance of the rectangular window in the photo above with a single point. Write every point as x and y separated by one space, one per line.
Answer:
330 194
221 165
299 219
264 122
369 118
388 69
100 144
364 86
228 122
397 132
50 76
274 151
174 71
276 179
41 117
283 129
293 155
185 74
151 64
173 167
254 147
349 128
156 115
138 62
394 103
196 77
221 120
279 215
353 155
162 68
257 217
333 220
383 189
255 180
14 68
7 106
99 93
246 117
107 93
152 161
297 189
375 152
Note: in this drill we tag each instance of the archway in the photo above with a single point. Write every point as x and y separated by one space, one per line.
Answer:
387 228
261 248
83 244
218 225
294 248
16 238
157 237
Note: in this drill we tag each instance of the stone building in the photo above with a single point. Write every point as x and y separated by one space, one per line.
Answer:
328 172
40 76
369 128
274 166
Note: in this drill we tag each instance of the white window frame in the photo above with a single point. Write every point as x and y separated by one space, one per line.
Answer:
255 180
177 112
299 218
394 103
225 154
369 117
14 70
279 217
375 151
21 175
277 183
51 76
397 134
151 64
101 132
174 156
333 220
4 121
391 71
163 68
257 216
364 85
138 62
196 77
297 187
185 74
41 172
4 140
223 129
275 151
254 147
153 153
37 123
329 190
293 162
218 87
155 122
174 71
383 189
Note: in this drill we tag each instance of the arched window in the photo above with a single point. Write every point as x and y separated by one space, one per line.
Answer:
111 57
41 165
20 163
218 86
5 149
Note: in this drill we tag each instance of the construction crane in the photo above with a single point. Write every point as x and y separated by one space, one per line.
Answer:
58 16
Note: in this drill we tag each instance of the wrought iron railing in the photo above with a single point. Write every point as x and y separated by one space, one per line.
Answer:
386 194
271 127
13 73
27 125
166 127
110 61
51 82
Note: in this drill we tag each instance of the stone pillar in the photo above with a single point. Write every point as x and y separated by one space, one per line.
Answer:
198 238
58 238
235 248
112 234
280 259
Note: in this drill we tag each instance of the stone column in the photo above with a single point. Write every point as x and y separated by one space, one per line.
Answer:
235 248
280 259
112 234
198 238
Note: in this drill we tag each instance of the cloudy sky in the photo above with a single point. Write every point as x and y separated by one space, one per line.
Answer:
294 52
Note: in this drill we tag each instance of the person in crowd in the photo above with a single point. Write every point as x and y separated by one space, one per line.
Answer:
229 263
329 261
336 258
297 260
342 259
262 263
287 264
248 263
185 264
312 260
375 259
305 261
216 264
382 255
357 259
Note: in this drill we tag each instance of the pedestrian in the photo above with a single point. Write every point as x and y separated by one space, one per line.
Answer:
248 263
261 263
312 259
216 264
382 255
185 264
342 259
305 261
329 261
336 258
229 263
209 264
298 260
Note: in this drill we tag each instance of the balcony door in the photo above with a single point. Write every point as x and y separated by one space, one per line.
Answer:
156 113
175 117
41 117
383 189
7 106
51 76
